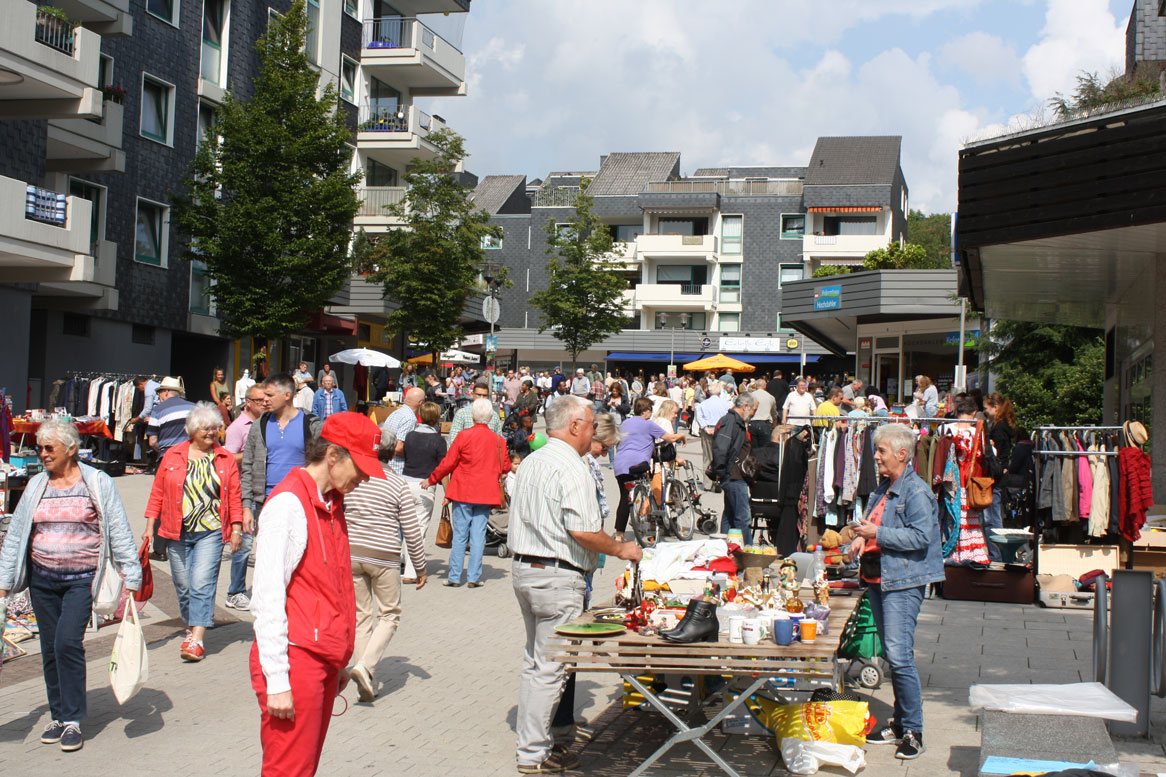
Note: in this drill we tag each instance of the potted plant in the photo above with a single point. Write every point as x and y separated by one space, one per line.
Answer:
114 93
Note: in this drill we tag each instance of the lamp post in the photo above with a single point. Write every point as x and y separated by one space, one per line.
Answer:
662 322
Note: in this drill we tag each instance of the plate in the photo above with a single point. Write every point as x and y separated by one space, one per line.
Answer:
590 630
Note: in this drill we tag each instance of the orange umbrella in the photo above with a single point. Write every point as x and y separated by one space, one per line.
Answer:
719 362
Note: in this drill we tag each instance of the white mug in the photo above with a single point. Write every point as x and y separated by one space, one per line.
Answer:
736 629
751 631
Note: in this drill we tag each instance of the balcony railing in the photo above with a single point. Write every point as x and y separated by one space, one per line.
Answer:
774 187
690 289
560 197
825 240
377 198
397 32
45 206
54 32
393 119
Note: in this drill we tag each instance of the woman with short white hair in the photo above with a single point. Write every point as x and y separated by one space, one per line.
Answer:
476 460
198 502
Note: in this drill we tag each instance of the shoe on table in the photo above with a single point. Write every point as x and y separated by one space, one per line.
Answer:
365 691
887 735
192 652
911 746
52 733
239 601
554 763
71 738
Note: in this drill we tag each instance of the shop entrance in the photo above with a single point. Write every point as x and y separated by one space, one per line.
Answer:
886 375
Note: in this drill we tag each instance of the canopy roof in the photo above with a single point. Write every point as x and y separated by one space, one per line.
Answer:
719 362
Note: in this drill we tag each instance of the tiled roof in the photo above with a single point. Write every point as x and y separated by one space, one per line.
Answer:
493 191
845 161
623 173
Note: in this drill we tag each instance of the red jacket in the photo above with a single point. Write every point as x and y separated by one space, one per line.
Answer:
1135 496
166 493
477 460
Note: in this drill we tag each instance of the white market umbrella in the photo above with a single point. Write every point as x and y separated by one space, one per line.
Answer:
366 357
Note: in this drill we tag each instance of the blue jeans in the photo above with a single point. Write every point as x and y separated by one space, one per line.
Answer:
896 613
469 525
992 518
194 568
238 584
62 612
736 515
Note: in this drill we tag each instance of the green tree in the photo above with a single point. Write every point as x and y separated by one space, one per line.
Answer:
270 199
431 265
1053 374
1092 94
909 256
583 302
932 231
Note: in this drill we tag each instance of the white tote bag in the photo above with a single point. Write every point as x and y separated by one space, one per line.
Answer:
129 666
109 592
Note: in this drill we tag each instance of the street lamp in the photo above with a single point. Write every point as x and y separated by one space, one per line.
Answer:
661 323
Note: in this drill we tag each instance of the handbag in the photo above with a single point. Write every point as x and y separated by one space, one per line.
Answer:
146 590
444 530
979 488
109 592
129 664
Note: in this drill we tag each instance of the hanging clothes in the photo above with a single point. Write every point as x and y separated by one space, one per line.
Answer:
1099 498
1135 495
1084 483
971 547
868 478
851 454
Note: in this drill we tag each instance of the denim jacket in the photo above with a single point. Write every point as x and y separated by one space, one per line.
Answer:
909 535
117 537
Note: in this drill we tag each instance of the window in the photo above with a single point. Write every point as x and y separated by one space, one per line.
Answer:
682 226
347 80
312 36
491 242
153 222
140 334
214 24
730 322
351 8
730 283
690 321
731 234
206 122
793 226
105 71
626 233
200 289
96 195
849 225
565 231
157 110
75 324
376 174
166 10
785 274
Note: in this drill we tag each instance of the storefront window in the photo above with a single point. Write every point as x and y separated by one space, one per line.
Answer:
936 355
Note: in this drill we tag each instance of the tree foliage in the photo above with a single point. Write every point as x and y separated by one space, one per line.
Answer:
270 200
932 231
909 256
827 270
1092 94
583 301
1053 374
431 265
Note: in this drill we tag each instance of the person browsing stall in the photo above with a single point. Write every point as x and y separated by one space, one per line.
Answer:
638 437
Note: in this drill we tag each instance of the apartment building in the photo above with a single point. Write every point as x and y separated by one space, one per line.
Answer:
705 255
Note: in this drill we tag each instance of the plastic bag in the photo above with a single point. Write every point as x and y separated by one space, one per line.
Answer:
842 722
803 757
1091 700
129 665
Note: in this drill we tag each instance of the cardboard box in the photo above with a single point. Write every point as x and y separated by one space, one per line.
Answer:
1074 561
1149 552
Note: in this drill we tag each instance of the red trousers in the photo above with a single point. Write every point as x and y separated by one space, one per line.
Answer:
291 748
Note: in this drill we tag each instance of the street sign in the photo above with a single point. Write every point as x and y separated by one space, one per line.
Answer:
491 310
706 343
491 343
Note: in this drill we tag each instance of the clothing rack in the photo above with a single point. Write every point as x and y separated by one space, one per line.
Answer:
876 419
1040 429
120 376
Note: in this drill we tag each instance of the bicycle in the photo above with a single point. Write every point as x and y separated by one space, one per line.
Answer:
673 512
707 521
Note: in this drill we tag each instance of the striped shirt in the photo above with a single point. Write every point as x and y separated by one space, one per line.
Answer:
464 419
399 423
168 422
377 512
554 496
66 534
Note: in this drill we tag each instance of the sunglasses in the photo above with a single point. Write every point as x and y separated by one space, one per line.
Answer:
45 448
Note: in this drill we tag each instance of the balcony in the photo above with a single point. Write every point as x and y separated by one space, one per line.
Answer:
673 296
773 187
412 57
87 145
395 136
677 246
372 216
49 67
95 284
105 17
44 235
829 247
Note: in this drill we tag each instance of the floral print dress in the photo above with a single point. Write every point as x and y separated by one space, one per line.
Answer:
971 547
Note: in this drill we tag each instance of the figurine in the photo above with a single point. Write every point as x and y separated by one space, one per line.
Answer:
789 575
822 593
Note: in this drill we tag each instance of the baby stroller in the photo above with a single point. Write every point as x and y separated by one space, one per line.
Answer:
861 644
497 528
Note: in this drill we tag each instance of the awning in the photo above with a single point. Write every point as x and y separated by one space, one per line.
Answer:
329 324
684 358
847 209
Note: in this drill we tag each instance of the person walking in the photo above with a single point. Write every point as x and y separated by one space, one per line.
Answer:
778 387
1003 431
165 429
476 461
464 418
709 412
511 388
556 533
799 404
305 602
424 450
195 504
900 553
766 405
402 421
276 444
379 512
328 399
731 445
68 523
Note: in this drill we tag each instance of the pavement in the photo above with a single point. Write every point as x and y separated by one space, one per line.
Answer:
448 697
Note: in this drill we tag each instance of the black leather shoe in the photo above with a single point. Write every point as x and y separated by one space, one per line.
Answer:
699 624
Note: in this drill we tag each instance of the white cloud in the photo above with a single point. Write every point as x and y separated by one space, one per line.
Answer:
1078 35
985 58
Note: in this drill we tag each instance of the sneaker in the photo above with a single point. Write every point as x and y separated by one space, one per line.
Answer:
52 733
452 584
474 584
365 691
911 747
239 601
555 763
887 735
192 652
71 738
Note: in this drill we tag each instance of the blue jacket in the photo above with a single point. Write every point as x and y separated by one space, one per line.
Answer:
909 535
320 402
117 537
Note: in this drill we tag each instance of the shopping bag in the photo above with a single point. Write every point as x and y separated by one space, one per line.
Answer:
444 530
146 590
129 665
802 757
843 722
109 593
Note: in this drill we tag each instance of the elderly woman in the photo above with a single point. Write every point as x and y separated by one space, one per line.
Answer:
638 437
424 450
196 503
900 553
67 529
477 459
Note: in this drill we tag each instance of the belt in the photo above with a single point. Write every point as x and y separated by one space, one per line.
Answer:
541 562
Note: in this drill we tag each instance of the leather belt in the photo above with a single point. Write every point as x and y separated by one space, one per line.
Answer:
541 562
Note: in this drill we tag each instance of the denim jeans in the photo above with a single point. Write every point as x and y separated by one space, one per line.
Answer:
239 558
736 515
62 613
194 568
992 518
469 525
896 613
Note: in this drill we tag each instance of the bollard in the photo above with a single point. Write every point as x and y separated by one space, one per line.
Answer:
1100 628
1130 647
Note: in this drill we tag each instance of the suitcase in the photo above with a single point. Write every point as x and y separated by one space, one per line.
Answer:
1010 584
1073 560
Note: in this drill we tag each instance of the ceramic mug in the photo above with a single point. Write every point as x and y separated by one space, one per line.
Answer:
736 624
809 628
783 631
750 631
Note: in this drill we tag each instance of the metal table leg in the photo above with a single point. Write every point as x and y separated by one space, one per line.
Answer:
686 733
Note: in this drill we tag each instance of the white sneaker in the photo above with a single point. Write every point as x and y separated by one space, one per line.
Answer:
239 601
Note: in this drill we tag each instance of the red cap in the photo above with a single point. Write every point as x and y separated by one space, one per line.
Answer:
358 435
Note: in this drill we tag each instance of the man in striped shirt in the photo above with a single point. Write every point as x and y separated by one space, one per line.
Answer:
556 533
378 512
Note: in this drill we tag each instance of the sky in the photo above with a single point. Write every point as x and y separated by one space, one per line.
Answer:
554 84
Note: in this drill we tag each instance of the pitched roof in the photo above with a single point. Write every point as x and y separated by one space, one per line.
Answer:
493 191
623 173
869 159
744 171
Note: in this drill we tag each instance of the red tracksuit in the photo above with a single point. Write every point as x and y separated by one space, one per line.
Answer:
321 619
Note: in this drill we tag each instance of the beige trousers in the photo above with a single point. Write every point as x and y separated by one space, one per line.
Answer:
378 610
425 500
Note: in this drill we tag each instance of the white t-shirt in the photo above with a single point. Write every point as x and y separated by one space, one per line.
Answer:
799 405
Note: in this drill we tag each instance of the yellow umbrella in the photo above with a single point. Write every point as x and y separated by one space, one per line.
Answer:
425 358
719 362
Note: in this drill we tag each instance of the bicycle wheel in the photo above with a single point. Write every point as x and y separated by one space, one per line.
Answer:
642 520
679 509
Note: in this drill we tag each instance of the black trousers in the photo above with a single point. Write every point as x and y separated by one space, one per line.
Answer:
62 613
625 507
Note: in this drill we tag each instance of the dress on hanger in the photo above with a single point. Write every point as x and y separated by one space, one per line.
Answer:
971 547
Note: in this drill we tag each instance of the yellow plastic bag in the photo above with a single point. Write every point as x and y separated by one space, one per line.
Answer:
843 722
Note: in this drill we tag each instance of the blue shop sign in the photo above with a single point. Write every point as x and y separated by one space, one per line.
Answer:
972 338
828 298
